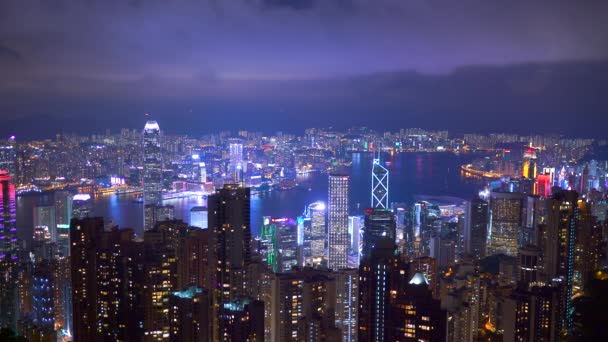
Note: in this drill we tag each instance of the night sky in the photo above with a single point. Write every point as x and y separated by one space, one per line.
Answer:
204 65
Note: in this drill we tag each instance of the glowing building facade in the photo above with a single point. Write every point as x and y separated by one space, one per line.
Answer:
152 177
338 221
379 185
506 218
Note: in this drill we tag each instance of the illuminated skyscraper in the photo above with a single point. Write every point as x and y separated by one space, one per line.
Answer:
8 218
543 185
44 216
152 178
563 221
8 253
379 223
199 217
317 235
506 219
379 185
8 156
338 221
236 161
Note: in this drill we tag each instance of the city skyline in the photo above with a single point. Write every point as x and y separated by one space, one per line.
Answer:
303 170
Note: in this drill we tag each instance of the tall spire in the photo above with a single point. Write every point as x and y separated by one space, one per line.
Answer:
379 184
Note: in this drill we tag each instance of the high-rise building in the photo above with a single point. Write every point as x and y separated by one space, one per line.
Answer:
379 193
287 243
189 311
316 235
378 275
532 314
8 214
236 161
303 305
415 315
347 303
505 221
44 216
379 223
242 320
543 185
476 228
8 156
199 217
229 222
43 292
105 284
558 243
81 206
338 221
9 251
355 232
152 178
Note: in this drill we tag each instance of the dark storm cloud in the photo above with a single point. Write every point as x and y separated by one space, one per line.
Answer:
71 57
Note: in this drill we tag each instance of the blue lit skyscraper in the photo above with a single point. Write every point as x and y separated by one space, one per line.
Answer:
152 161
379 185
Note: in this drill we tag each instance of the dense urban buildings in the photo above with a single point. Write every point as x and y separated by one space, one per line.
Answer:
213 260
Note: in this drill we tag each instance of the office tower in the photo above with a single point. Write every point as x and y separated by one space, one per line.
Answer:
152 178
558 243
476 228
202 172
347 303
199 217
287 243
316 235
379 191
63 216
443 249
379 223
377 274
164 213
505 221
189 311
44 216
303 305
43 294
242 320
543 185
236 162
9 308
41 248
8 156
268 243
81 206
338 222
355 232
